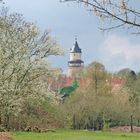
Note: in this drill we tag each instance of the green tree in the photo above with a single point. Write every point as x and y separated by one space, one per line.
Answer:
132 84
98 75
87 108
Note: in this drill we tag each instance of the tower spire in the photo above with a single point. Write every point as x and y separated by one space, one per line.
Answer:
76 48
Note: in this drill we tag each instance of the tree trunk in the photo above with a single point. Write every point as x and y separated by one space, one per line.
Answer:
74 122
7 121
96 81
0 119
138 123
131 123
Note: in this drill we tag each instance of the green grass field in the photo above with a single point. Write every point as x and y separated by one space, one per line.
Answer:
75 135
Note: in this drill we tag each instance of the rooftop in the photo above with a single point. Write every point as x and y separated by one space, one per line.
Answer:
76 48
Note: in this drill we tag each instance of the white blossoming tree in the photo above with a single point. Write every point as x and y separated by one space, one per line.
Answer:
23 60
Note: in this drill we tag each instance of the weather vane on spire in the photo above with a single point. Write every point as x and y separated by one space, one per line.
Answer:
76 38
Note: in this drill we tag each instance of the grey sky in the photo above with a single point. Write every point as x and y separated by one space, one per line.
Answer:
67 20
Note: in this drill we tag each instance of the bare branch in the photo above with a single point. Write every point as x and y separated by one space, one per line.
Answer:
115 11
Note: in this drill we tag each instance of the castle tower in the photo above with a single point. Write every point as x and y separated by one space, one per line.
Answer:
75 65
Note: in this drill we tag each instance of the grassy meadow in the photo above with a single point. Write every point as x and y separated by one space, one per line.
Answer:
75 135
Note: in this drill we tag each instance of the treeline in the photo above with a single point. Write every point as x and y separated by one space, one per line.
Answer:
103 104
26 100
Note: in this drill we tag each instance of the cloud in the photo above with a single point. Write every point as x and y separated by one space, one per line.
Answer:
118 52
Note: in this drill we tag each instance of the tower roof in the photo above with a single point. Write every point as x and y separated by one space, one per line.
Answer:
76 48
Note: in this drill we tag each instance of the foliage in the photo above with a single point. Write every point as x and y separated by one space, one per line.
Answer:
23 60
83 105
98 105
37 114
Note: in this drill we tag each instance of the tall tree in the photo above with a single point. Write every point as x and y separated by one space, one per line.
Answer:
23 60
98 75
